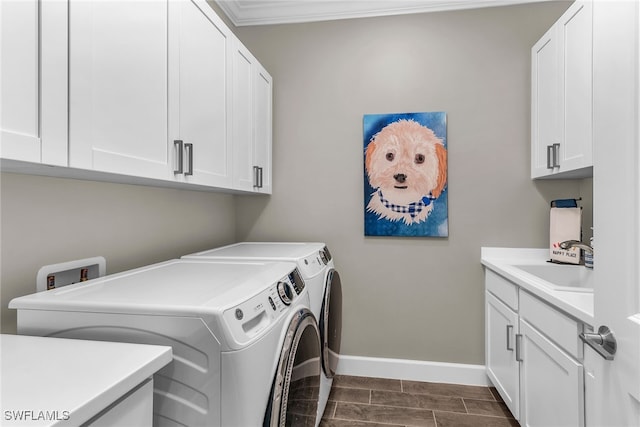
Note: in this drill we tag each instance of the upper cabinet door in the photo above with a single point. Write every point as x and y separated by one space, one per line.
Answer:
252 123
33 123
20 82
200 92
263 128
118 95
576 49
244 175
545 97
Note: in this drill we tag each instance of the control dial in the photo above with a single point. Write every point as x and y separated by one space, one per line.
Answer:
324 257
285 292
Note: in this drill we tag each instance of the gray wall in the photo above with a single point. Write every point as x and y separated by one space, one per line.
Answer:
52 220
412 298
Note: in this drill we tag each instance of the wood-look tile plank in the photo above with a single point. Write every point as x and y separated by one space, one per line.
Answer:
354 395
347 381
385 414
422 401
453 419
487 407
466 391
352 423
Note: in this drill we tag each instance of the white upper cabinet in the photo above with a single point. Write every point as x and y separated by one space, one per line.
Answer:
264 130
200 94
118 95
252 123
562 100
33 120
133 91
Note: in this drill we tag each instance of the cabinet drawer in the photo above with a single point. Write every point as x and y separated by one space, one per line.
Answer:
506 291
556 326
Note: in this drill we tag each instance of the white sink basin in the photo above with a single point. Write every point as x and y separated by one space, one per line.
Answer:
573 278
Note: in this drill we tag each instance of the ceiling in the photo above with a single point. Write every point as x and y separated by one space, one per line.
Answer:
266 12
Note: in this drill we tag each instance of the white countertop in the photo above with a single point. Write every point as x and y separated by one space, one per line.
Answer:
503 261
71 379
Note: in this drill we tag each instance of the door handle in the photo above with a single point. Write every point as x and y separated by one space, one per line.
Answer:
550 155
519 348
604 342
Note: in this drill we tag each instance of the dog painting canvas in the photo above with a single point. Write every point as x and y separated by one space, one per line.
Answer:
405 174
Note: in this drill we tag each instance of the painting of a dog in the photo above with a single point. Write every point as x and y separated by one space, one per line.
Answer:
405 161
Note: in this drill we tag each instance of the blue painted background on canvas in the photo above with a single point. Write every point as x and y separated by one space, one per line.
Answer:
436 224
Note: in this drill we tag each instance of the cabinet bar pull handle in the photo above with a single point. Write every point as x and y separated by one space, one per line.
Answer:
509 330
556 155
549 157
189 149
518 347
257 177
180 145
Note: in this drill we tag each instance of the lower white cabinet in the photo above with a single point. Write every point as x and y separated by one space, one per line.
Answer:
552 384
502 367
533 356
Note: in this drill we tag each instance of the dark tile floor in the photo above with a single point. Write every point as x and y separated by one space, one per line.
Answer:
376 402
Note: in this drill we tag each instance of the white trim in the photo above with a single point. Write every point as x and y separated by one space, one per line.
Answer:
414 370
267 12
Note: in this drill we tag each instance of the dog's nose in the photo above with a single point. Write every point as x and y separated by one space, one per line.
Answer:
400 177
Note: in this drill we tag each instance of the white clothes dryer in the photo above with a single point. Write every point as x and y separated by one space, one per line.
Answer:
246 346
317 267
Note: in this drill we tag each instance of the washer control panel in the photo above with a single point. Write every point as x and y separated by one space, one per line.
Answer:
247 320
296 281
312 265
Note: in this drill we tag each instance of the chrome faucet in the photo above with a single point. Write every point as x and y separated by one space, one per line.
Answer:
567 244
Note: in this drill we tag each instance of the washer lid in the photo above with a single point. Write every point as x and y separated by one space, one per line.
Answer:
263 250
177 287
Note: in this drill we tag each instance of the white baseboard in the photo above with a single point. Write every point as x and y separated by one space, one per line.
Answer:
413 370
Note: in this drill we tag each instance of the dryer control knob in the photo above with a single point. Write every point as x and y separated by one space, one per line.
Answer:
285 292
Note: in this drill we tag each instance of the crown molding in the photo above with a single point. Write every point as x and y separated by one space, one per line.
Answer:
270 12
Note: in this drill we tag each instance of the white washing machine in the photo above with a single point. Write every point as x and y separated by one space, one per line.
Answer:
325 291
246 346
